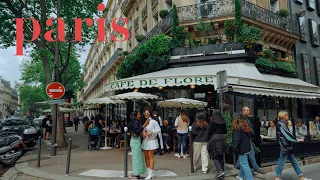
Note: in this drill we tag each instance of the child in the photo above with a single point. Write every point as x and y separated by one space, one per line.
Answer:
201 132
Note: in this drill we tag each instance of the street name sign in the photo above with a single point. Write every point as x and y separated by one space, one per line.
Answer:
55 90
56 101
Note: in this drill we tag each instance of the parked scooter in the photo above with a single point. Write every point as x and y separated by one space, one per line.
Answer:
11 148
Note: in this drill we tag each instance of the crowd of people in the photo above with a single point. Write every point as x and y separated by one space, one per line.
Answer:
149 135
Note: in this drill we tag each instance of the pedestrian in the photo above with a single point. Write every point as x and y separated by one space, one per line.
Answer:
150 142
182 122
135 130
242 146
76 122
44 126
245 115
98 121
286 141
201 133
86 121
218 143
48 128
159 137
165 135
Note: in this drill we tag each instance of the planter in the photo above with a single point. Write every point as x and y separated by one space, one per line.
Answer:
276 72
208 49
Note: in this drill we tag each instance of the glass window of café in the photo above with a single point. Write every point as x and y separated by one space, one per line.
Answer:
314 128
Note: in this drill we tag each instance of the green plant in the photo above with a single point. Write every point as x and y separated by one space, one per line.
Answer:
283 13
228 119
204 27
269 54
238 17
265 63
125 53
189 40
178 34
285 66
213 40
249 36
163 13
230 30
151 56
140 37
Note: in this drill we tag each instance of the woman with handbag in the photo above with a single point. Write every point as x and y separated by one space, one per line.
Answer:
286 140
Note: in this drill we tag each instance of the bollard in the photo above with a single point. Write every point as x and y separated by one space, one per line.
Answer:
191 149
39 151
125 152
69 156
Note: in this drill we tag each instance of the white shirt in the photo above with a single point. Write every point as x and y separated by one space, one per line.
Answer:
154 127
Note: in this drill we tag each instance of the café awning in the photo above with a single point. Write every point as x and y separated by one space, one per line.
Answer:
242 77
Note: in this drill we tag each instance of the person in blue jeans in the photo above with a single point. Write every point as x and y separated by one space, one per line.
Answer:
286 140
98 121
182 122
242 146
252 158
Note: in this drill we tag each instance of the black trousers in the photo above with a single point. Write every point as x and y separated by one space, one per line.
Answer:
76 127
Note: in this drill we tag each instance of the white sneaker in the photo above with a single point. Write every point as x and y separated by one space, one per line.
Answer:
150 175
185 157
239 178
307 179
177 154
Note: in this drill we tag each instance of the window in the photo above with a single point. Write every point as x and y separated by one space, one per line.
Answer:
311 5
318 6
299 2
306 67
274 6
303 29
145 31
317 65
314 33
155 21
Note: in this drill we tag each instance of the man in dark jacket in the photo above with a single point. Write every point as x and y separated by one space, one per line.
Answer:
246 113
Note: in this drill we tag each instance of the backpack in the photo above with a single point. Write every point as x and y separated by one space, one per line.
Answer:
94 131
44 123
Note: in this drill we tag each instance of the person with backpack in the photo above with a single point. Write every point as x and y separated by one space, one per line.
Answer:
44 125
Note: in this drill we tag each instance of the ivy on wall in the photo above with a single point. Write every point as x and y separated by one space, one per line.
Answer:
152 56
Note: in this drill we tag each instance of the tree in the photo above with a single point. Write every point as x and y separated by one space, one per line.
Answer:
34 84
40 11
178 34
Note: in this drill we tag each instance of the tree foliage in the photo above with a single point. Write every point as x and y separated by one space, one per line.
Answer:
178 34
29 95
152 56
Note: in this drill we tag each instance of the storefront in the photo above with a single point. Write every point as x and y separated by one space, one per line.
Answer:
264 94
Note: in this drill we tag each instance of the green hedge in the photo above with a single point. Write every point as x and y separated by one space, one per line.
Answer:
152 56
276 66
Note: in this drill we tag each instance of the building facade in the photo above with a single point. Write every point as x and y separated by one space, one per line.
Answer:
307 50
192 70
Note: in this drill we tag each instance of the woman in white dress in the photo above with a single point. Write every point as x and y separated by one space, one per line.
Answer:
150 142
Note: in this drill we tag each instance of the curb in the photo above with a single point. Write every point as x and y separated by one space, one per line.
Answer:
9 174
306 161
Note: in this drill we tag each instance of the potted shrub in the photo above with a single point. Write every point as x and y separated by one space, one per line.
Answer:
283 13
163 13
249 36
140 37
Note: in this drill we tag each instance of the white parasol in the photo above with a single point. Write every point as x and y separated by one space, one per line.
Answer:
103 100
134 96
61 109
60 104
182 103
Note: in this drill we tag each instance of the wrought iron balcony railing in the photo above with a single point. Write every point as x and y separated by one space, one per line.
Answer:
161 27
136 23
154 2
144 12
103 70
257 13
124 3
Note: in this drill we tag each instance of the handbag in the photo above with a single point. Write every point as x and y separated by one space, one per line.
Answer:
94 131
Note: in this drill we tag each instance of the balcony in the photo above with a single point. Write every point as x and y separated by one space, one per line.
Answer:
127 6
154 3
111 62
275 29
144 13
136 23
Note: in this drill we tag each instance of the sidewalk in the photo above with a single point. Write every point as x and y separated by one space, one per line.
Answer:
104 163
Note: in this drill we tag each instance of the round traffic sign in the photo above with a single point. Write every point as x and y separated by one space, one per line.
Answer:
55 90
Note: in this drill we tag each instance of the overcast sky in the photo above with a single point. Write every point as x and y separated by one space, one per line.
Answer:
10 64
